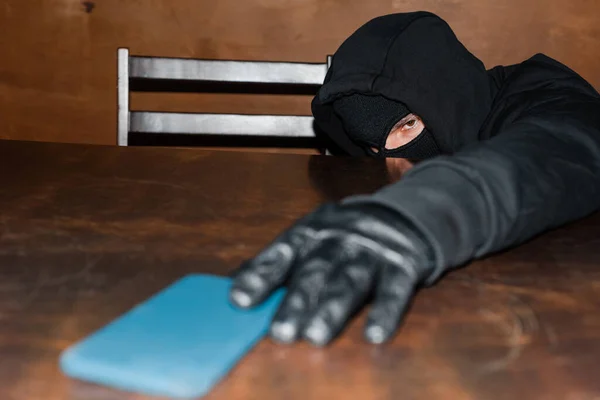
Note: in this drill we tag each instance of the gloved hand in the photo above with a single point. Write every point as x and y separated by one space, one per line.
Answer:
332 260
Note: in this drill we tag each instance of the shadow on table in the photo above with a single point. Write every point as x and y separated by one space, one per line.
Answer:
338 177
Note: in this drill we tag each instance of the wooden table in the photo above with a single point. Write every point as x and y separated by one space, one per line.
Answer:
87 232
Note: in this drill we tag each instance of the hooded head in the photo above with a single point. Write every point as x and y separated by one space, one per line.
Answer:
397 65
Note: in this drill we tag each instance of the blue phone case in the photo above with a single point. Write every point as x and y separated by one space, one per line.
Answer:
179 343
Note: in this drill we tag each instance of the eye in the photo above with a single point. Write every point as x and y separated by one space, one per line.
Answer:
404 131
410 124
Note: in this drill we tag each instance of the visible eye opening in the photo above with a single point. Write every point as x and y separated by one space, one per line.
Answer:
404 131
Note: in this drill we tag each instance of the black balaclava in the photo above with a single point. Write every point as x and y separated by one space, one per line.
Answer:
413 59
368 121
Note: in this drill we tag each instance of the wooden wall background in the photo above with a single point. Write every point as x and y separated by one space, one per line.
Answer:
58 57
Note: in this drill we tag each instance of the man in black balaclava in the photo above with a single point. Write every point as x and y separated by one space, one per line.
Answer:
508 153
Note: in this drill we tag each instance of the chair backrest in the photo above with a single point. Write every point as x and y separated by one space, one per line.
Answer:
184 75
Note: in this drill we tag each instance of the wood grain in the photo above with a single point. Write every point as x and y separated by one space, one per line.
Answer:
58 57
86 232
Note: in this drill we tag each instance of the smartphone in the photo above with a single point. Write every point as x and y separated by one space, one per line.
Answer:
179 343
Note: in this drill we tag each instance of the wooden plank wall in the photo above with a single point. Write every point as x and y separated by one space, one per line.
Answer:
58 57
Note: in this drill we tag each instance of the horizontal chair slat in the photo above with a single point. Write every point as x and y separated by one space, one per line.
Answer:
222 124
227 71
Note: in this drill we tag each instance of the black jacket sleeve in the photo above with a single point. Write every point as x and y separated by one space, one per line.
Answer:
542 170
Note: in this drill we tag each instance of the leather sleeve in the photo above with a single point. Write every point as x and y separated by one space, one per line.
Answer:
539 172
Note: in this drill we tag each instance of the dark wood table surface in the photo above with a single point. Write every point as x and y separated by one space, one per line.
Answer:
87 232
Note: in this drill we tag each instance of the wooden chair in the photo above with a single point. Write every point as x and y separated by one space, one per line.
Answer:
160 74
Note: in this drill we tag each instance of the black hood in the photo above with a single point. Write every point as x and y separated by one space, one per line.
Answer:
416 59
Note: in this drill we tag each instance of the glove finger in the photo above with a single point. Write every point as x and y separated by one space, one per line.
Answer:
307 282
393 295
257 278
345 291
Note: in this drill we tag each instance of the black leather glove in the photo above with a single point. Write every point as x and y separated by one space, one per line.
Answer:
332 260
